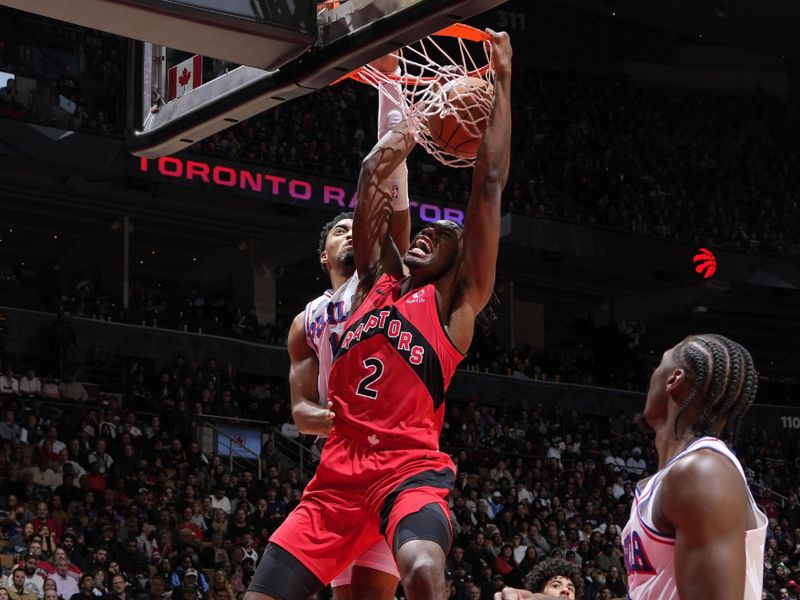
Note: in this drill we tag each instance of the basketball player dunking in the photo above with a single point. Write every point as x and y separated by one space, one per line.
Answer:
315 332
381 474
696 515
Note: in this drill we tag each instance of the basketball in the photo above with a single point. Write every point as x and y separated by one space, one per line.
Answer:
458 127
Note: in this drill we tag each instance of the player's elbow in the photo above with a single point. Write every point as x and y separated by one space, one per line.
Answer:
370 165
300 417
489 181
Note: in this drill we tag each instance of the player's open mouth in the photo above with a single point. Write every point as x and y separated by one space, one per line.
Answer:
422 247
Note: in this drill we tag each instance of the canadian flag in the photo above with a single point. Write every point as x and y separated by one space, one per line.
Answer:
184 77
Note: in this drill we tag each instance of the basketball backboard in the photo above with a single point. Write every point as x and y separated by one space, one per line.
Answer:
252 54
348 36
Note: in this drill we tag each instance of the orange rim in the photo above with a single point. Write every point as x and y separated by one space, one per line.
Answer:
456 30
466 32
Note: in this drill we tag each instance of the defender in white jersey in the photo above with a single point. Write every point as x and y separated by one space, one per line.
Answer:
650 553
324 319
696 515
315 332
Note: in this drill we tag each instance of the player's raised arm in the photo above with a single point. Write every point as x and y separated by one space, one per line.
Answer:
389 117
482 221
308 415
373 248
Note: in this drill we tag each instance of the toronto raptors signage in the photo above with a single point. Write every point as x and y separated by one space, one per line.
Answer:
277 185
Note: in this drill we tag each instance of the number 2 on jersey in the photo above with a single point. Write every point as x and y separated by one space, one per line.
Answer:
375 370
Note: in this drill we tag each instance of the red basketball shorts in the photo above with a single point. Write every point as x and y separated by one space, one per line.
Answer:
358 496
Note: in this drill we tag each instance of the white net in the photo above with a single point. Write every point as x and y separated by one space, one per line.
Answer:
447 91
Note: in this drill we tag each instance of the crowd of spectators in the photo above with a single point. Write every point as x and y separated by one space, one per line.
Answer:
65 76
610 356
716 170
116 497
106 501
187 389
590 148
79 294
558 484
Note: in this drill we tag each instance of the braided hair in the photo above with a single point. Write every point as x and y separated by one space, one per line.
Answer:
724 383
326 229
537 579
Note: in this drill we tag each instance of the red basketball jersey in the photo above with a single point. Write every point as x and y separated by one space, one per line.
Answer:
392 367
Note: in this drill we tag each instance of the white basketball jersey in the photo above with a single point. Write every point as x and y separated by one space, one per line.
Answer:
324 321
650 554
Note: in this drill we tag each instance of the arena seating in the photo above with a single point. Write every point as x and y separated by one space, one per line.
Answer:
92 473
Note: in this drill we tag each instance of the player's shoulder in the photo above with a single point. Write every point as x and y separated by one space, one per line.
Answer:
704 473
317 305
705 462
298 325
704 494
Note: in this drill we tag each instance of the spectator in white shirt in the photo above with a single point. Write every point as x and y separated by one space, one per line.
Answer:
248 548
30 384
131 426
615 459
33 580
618 489
66 584
220 500
524 494
77 470
519 548
43 474
553 452
9 385
636 464
501 470
52 436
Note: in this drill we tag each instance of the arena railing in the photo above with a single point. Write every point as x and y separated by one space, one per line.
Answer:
761 488
297 452
294 452
245 464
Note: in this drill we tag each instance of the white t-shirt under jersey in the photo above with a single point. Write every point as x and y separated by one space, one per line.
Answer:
324 322
650 554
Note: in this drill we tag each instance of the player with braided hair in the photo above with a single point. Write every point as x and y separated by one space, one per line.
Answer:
731 388
696 515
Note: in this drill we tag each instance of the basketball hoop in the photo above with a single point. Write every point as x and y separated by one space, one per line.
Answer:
446 91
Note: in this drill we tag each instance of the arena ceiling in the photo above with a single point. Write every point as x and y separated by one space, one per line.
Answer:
771 26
